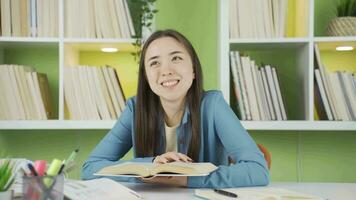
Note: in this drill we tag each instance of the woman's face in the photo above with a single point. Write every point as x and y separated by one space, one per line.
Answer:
169 69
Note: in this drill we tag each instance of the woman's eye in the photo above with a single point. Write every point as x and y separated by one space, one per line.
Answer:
153 63
176 58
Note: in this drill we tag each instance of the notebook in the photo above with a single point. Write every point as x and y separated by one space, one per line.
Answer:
135 169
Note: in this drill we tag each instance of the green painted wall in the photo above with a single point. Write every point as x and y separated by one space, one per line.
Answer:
304 156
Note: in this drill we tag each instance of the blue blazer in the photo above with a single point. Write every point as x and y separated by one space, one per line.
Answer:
222 136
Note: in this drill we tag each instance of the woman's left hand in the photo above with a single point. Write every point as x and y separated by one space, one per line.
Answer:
180 181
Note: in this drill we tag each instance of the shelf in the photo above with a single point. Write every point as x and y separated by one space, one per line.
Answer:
300 125
99 40
29 39
55 124
269 40
335 39
249 125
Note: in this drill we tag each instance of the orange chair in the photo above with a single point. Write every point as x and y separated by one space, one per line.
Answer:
266 154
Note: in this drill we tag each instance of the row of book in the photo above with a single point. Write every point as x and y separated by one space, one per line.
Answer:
335 92
256 89
29 18
98 19
25 94
93 93
257 18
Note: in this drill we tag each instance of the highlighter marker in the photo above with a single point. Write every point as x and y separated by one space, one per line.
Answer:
52 171
40 166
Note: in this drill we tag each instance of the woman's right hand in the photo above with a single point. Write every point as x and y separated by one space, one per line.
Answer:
171 157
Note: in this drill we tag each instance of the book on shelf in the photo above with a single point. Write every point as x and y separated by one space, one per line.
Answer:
258 18
93 93
335 92
25 18
98 19
257 89
26 94
140 169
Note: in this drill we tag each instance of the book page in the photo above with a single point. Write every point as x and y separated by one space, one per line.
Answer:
183 169
132 169
98 189
256 193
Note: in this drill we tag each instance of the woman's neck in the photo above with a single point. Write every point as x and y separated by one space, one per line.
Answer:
173 111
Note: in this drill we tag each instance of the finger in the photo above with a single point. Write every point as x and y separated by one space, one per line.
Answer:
162 160
183 157
173 156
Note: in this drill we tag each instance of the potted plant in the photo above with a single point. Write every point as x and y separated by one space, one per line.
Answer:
345 22
6 180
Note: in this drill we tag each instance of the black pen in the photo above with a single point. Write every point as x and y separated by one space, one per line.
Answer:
225 193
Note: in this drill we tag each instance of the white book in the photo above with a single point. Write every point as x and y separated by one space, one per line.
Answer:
92 93
6 17
242 81
345 96
283 17
279 94
272 112
69 96
20 110
237 85
39 16
233 19
114 19
340 101
267 23
88 98
79 93
328 88
31 84
276 18
98 30
251 94
118 90
33 5
257 91
39 99
323 94
5 93
266 112
122 18
103 107
129 18
15 18
99 100
351 92
112 94
105 91
22 90
273 91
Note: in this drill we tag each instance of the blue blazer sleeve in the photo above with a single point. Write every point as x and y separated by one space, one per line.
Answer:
113 147
249 167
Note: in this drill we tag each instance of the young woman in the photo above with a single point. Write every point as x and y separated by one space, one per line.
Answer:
173 119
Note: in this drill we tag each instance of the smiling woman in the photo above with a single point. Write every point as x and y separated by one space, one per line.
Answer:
173 119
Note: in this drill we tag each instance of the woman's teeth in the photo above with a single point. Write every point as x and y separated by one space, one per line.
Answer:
170 83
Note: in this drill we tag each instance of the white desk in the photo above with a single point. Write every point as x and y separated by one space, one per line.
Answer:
330 191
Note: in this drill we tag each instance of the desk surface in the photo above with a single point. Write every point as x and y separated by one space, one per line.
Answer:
330 191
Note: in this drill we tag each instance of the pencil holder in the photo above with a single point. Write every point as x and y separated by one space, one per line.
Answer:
43 187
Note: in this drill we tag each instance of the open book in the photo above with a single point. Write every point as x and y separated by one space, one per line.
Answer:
256 193
136 169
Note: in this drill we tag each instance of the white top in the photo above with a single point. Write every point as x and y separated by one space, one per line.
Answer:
171 138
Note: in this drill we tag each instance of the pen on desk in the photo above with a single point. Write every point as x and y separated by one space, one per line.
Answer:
32 169
225 193
68 160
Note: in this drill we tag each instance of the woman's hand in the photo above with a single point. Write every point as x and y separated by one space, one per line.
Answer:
178 181
171 157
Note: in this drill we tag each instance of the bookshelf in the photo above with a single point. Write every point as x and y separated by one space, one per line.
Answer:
297 45
293 57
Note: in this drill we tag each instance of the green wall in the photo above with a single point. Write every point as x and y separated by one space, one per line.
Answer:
303 156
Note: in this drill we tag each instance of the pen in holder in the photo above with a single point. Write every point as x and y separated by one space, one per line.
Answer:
35 187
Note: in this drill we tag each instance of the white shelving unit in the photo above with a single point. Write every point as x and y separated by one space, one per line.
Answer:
304 63
304 57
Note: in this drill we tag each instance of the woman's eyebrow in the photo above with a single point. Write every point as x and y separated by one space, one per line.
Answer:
153 57
175 52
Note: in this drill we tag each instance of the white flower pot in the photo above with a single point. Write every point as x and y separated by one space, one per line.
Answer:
6 195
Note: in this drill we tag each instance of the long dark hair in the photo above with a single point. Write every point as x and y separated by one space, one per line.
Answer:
149 111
